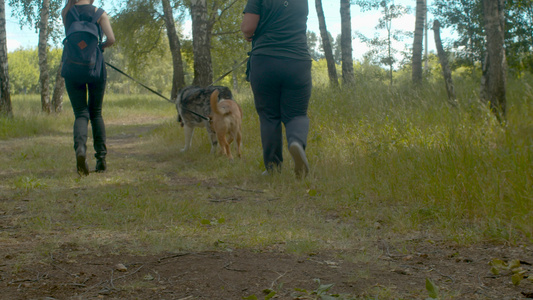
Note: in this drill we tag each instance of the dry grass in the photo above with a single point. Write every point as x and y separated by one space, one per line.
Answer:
385 164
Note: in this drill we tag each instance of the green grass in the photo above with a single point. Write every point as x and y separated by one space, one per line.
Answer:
394 163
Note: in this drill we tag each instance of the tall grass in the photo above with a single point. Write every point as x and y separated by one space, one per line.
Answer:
386 162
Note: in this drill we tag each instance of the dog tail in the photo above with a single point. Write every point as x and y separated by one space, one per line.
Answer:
214 103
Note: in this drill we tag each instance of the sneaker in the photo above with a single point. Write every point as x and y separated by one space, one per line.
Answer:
301 166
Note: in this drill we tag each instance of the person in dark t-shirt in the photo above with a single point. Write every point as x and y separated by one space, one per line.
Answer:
87 98
280 76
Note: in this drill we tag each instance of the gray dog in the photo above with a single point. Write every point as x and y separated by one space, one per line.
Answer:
193 102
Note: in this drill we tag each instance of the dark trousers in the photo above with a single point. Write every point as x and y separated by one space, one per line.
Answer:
282 89
87 100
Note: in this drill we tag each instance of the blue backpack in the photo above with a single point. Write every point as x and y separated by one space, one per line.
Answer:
82 58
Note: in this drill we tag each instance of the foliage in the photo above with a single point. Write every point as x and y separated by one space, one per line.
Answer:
139 28
312 44
228 46
518 37
24 70
381 50
511 268
28 12
432 289
466 18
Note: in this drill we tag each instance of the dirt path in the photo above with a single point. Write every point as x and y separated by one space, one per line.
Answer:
75 272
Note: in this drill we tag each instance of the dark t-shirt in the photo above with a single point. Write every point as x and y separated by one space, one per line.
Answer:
86 12
282 28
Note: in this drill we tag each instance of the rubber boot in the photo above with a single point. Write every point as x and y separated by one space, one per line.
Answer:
81 160
101 165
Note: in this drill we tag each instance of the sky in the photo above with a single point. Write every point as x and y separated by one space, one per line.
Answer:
363 22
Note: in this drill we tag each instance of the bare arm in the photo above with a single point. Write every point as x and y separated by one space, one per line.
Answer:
108 30
249 25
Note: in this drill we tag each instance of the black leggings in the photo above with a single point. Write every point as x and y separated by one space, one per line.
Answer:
87 100
282 89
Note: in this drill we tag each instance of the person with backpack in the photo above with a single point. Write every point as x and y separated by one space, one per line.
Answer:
85 76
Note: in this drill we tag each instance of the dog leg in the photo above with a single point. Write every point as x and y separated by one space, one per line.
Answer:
238 140
224 145
188 137
213 138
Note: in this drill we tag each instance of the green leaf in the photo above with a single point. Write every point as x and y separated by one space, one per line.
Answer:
270 295
205 222
252 297
324 288
515 263
517 278
312 192
432 289
498 264
495 270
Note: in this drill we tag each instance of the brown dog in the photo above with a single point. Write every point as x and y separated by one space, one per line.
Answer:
226 119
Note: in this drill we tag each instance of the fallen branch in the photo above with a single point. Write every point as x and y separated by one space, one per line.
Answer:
172 256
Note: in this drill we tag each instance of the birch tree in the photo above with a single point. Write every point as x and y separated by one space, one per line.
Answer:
348 75
44 76
201 41
417 43
43 15
493 82
178 77
5 96
326 44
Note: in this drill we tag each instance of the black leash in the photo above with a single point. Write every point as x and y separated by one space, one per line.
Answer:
227 73
155 92
141 84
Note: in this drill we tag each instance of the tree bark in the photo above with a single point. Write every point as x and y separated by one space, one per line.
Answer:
493 81
5 96
348 76
326 44
59 91
44 77
201 43
178 77
417 43
447 74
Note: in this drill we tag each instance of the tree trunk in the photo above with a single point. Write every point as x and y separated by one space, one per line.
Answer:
5 95
201 44
326 44
348 77
44 76
444 63
417 43
59 91
493 82
178 77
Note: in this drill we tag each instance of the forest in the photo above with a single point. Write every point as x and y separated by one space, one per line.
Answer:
153 47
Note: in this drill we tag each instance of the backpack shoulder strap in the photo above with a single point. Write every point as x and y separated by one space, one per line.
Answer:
74 12
99 12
